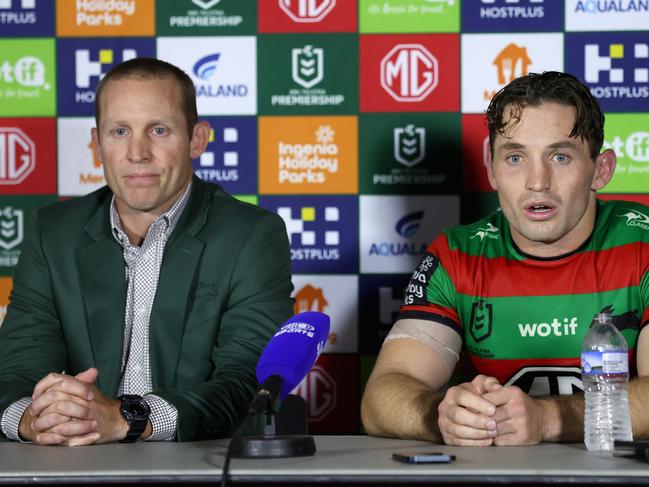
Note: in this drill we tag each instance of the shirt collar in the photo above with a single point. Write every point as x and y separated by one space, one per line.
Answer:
169 218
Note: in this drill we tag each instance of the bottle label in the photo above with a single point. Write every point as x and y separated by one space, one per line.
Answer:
596 363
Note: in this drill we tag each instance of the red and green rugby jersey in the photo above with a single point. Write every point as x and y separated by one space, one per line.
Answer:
522 319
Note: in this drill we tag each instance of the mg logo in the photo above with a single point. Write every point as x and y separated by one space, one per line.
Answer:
409 145
305 11
11 227
307 66
409 72
319 391
86 69
635 147
17 155
511 63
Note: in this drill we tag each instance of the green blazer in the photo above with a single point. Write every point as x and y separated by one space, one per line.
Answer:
224 288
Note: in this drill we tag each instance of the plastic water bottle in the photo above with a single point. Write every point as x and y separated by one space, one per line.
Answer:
605 373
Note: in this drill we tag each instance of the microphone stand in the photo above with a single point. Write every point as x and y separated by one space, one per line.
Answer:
270 444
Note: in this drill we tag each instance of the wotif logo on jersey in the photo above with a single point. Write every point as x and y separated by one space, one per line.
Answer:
17 155
103 12
307 11
409 145
409 72
311 162
89 71
512 9
557 327
17 12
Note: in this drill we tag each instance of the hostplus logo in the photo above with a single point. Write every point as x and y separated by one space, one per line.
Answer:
309 163
409 145
512 9
88 71
11 235
307 11
206 70
409 72
557 327
208 169
617 70
307 65
17 155
511 63
314 234
26 15
406 227
635 218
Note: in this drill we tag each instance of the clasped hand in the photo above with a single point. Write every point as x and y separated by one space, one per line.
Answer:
69 410
483 412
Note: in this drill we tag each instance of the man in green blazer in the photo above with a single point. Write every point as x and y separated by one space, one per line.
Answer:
140 310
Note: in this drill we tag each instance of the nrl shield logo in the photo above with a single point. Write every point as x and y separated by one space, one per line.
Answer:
409 145
11 227
307 66
481 321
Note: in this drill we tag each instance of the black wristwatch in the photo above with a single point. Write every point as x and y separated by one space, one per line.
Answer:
136 412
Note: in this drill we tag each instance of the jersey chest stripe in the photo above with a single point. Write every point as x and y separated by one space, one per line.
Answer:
584 273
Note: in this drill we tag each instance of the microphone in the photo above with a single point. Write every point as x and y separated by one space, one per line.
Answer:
285 361
289 355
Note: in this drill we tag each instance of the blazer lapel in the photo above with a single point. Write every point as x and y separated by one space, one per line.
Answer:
103 286
177 281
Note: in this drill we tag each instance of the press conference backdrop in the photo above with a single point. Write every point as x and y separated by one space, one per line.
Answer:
359 122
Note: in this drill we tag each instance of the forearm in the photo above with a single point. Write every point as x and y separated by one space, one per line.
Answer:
398 405
638 393
563 418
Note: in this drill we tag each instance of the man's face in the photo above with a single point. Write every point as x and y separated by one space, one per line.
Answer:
544 179
143 144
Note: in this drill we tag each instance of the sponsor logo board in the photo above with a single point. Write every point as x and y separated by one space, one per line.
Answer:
231 156
312 74
475 153
307 16
381 295
379 16
224 71
27 77
408 225
628 136
83 62
79 168
638 198
409 73
409 153
331 392
308 155
104 18
322 230
205 17
615 65
6 283
491 61
26 18
336 296
512 16
27 156
14 213
591 15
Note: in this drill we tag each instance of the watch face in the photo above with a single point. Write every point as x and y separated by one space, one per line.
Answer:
138 410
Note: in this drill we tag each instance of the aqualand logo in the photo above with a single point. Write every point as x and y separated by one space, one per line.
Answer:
407 228
634 218
205 69
596 7
409 72
307 11
628 73
17 155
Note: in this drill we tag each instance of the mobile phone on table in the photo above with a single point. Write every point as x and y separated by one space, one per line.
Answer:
422 457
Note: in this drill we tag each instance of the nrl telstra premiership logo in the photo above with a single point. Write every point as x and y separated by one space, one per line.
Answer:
11 227
205 4
409 145
409 72
307 65
306 11
636 219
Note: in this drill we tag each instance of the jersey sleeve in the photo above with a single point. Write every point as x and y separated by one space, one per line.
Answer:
644 296
431 294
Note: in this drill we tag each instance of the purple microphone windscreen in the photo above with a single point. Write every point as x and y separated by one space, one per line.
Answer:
294 349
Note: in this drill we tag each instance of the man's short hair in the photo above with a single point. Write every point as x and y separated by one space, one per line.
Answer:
550 86
143 68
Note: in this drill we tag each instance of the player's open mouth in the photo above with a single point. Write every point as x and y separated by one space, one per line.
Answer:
539 211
